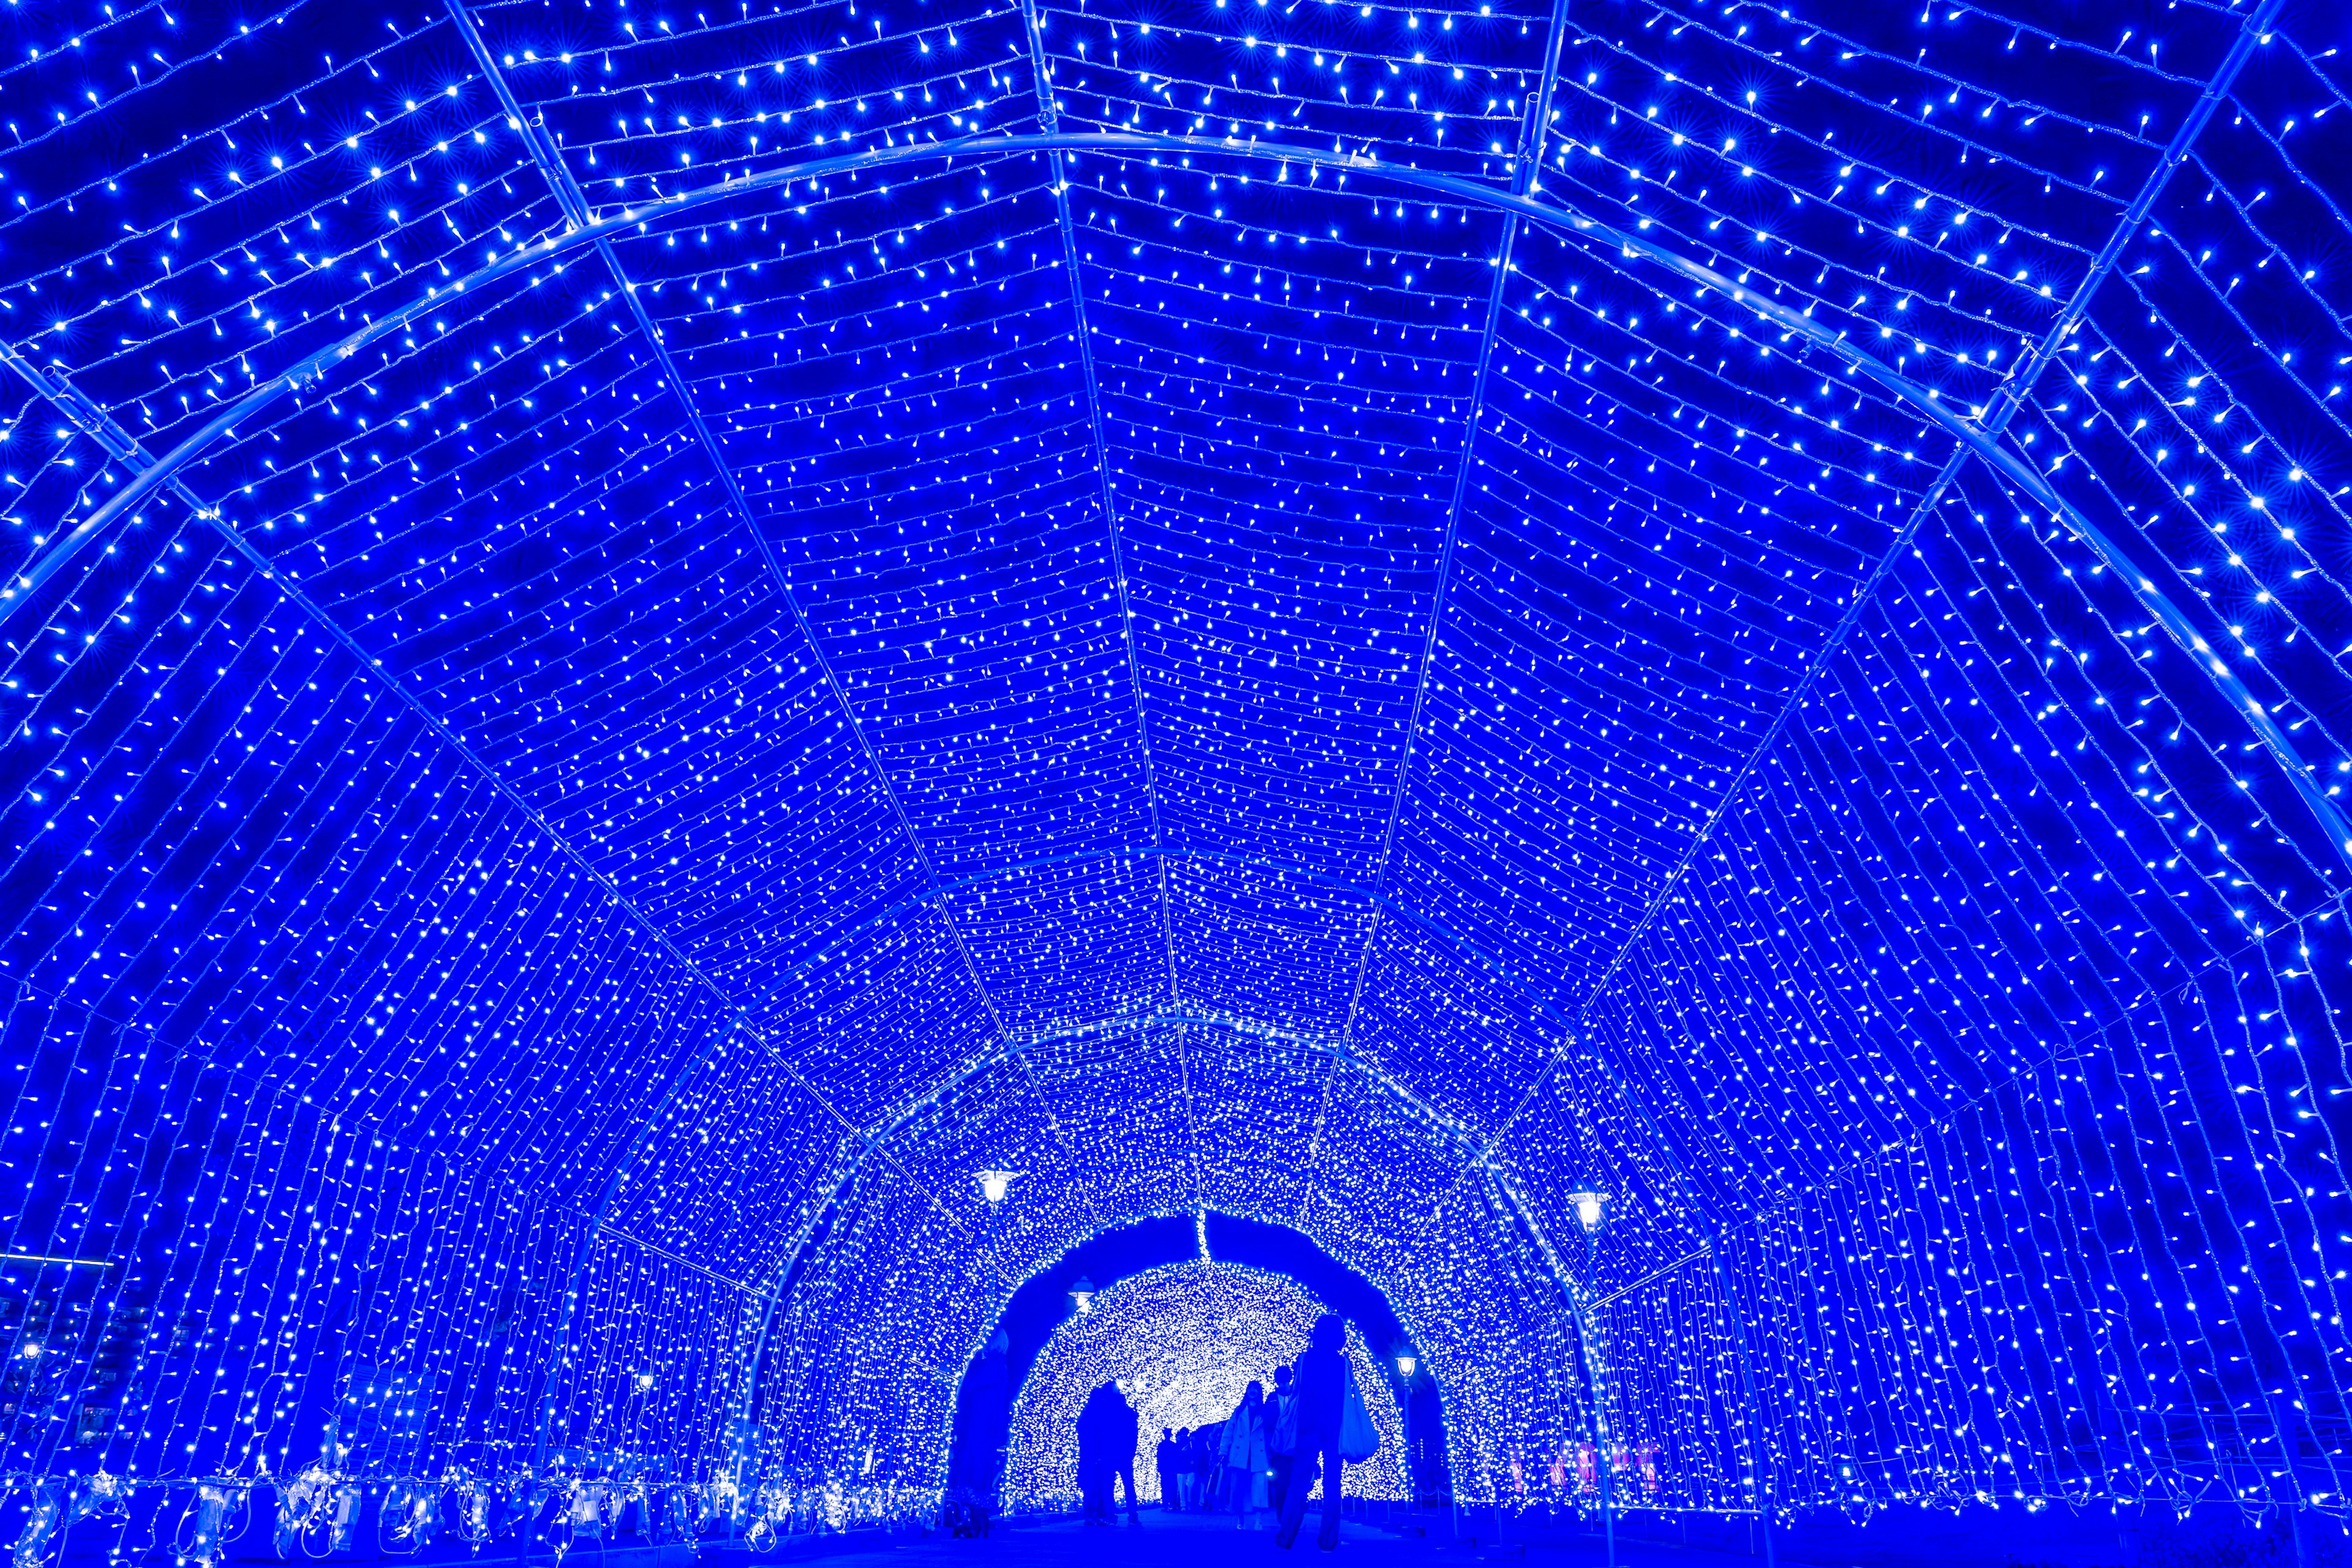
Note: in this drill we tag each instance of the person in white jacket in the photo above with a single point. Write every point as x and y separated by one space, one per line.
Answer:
1244 1453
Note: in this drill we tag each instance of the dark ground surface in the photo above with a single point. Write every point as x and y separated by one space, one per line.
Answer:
1193 1541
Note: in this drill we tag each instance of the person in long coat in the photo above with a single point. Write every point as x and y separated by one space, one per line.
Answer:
1244 1453
1163 1460
1280 1460
1125 1444
1101 1424
1322 1382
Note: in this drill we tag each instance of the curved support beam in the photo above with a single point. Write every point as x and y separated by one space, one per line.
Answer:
1126 1246
1589 1354
1629 244
147 481
1049 118
1972 436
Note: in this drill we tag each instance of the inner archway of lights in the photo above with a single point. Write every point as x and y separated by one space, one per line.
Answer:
639 640
1182 1341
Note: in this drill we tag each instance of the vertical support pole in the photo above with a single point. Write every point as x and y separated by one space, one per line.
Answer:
1606 1461
1688 1192
1596 1417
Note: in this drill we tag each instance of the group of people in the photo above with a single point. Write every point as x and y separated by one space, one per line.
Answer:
1268 1454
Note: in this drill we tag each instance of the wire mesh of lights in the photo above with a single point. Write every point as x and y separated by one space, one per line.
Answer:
591 802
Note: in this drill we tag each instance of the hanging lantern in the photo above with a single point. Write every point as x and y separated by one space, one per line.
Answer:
994 1185
1592 1209
1083 1295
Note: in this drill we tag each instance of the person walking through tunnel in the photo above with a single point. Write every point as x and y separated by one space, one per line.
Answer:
1281 1438
1163 1460
1334 1430
1204 1465
1244 1453
1124 1447
1101 1424
1182 1462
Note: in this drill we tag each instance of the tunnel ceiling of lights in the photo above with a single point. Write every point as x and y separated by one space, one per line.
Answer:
639 636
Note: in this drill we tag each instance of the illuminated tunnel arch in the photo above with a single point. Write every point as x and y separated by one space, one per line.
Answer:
1745 614
986 1392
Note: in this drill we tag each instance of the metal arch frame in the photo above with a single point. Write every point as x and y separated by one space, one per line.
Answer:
1983 440
1629 245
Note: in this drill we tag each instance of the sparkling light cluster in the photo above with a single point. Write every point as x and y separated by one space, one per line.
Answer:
1746 605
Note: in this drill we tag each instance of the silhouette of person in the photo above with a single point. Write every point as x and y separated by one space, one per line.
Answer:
1102 1420
1280 1457
1164 1460
1323 1382
1204 1465
1183 1467
1125 1433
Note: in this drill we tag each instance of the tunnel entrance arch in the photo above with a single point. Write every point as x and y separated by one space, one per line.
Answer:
994 1378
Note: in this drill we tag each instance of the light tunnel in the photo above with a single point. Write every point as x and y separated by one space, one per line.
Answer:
1182 1312
1650 688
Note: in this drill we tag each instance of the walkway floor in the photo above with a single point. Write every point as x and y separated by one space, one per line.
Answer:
1191 1540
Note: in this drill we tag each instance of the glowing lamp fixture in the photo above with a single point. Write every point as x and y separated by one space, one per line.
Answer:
1405 1363
1592 1209
994 1185
1083 1293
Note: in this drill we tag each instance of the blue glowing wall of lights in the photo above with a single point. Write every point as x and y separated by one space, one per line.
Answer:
1184 1342
539 861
